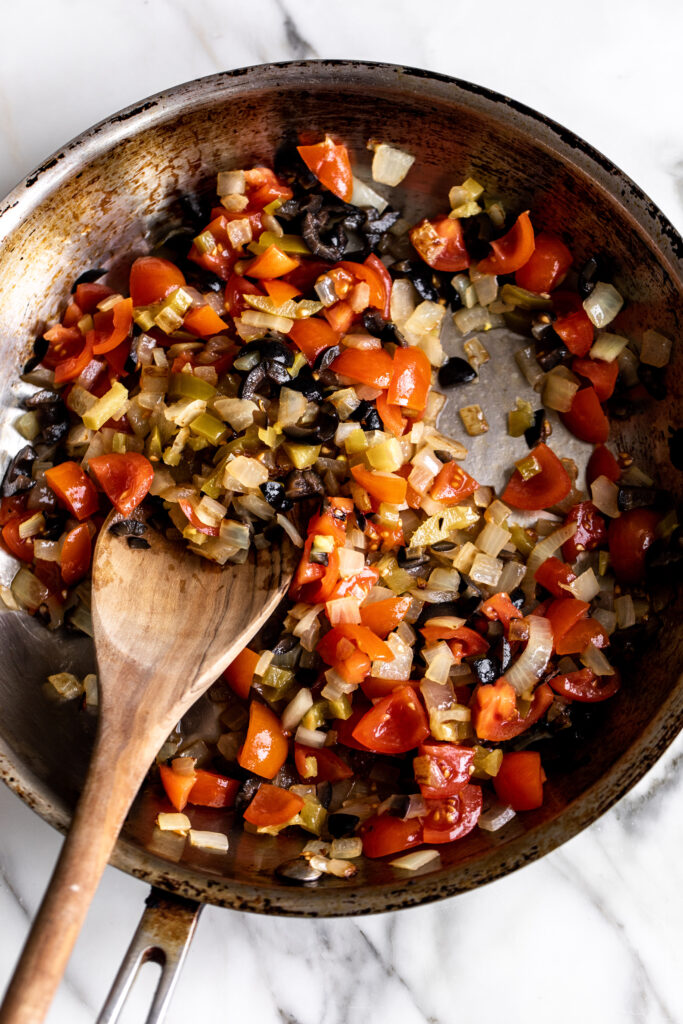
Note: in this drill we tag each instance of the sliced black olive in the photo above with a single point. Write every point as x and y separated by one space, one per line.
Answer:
276 371
324 793
550 351
52 433
285 644
247 792
361 520
40 347
404 562
517 597
421 276
271 349
443 456
534 433
327 357
375 324
287 164
653 378
42 398
329 248
128 528
87 277
303 483
597 268
455 371
307 384
487 670
274 493
137 542
502 652
18 477
319 557
639 497
543 328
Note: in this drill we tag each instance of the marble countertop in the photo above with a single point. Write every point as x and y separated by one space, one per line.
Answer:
593 931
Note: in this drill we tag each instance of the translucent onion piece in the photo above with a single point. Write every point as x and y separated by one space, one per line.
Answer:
486 570
547 547
350 562
401 664
606 618
291 530
310 737
533 660
495 817
347 849
215 841
363 195
291 407
655 349
247 472
444 579
493 539
403 300
626 615
603 304
558 392
425 318
526 361
296 709
585 587
439 660
593 658
512 575
605 495
416 860
608 347
390 165
343 610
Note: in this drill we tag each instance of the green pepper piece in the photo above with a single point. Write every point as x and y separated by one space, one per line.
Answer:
341 708
521 539
520 419
528 467
316 715
186 385
207 426
521 298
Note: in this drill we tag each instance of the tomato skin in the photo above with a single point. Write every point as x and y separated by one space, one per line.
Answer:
73 489
373 368
602 463
629 537
520 779
586 418
271 264
383 486
544 489
272 805
203 321
125 478
411 378
74 365
591 530
494 711
585 687
312 336
576 331
330 766
383 834
76 554
452 484
87 295
441 244
213 790
448 767
331 165
564 613
513 250
547 266
265 747
152 279
584 632
114 328
239 674
177 786
552 573
397 723
453 817
21 549
384 616
500 608
392 418
601 375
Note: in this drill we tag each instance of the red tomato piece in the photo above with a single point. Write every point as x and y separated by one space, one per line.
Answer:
382 617
384 834
271 263
340 317
331 165
544 489
452 484
494 711
76 554
73 489
564 613
374 368
395 724
442 769
344 727
576 331
380 295
383 486
203 321
272 805
629 537
552 573
580 635
411 379
547 266
586 418
177 786
355 667
11 507
600 374
366 641
124 477
392 418
239 674
375 688
520 779
213 790
513 250
20 548
602 463
320 764
441 244
265 747
453 817
194 520
87 295
76 362
358 586
500 608
591 531
120 321
585 687
152 279
312 336
321 590
235 288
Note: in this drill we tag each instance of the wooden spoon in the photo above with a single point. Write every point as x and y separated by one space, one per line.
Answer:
166 623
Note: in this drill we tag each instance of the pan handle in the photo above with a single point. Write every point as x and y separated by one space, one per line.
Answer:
163 937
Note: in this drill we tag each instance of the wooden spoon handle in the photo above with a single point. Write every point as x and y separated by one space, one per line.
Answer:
110 788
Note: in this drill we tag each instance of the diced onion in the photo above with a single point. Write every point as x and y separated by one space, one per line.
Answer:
291 407
403 300
401 664
262 664
495 817
603 304
439 659
444 579
416 860
363 342
216 841
310 737
486 570
655 349
346 849
606 618
247 472
558 392
585 587
593 658
624 608
512 575
296 709
533 660
173 822
493 539
363 195
343 610
547 547
527 363
605 495
608 347
350 562
390 165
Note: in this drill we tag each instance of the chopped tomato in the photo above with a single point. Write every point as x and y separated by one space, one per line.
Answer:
513 250
544 489
306 571
358 585
552 573
213 790
494 711
75 363
585 687
373 368
312 336
344 727
395 724
392 418
188 511
280 291
119 323
384 834
579 636
468 640
629 537
20 548
239 674
125 478
602 375
576 331
380 294
586 418
366 641
442 769
73 489
265 747
547 266
500 608
11 507
564 613
272 805
152 279
452 484
88 295
384 486
441 244
411 379
453 817
520 779
321 590
177 786
602 463
203 321
235 288
271 263
382 617
320 764
263 187
340 316
76 555
591 530
354 667
375 687
331 165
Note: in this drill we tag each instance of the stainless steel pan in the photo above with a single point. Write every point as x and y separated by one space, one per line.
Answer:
103 199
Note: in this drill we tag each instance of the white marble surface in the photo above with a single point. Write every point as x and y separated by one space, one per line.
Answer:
592 932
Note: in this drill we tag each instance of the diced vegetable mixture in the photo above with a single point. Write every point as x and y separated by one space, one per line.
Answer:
284 347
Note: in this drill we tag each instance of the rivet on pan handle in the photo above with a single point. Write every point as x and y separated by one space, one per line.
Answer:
163 937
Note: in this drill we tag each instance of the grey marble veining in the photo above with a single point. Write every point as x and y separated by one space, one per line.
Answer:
592 932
